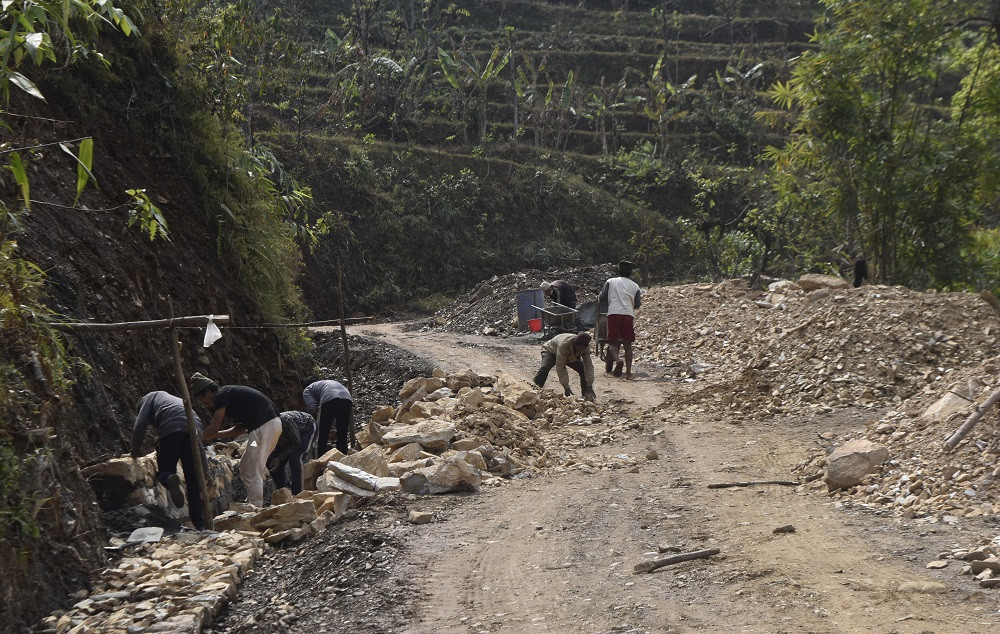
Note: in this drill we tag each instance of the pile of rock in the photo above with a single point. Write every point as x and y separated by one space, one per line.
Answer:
491 307
980 562
122 483
922 479
790 349
177 586
289 518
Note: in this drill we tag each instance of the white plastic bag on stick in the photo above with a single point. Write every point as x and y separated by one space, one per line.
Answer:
212 333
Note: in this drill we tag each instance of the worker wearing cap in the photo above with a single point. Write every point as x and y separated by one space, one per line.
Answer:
560 292
252 413
621 296
568 350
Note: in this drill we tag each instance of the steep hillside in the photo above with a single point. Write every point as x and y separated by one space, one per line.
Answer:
634 120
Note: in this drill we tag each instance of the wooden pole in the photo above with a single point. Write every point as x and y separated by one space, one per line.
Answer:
970 422
316 324
752 483
174 322
196 448
352 435
650 566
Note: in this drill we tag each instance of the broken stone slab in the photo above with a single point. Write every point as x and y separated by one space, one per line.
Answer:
383 414
357 477
281 496
138 471
517 394
814 281
458 380
406 453
285 515
421 517
288 535
944 407
387 484
471 398
428 384
430 434
980 566
397 469
315 468
451 474
329 482
923 587
474 458
371 459
783 286
852 461
468 444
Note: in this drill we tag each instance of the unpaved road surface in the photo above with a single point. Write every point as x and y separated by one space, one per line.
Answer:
555 552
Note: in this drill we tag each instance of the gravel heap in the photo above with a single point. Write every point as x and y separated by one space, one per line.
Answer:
922 479
749 354
491 307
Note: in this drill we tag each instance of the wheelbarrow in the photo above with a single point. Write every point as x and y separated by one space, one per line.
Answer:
556 319
601 336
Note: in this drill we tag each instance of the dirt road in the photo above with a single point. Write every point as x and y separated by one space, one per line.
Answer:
555 553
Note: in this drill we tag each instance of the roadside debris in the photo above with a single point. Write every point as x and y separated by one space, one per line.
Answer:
656 564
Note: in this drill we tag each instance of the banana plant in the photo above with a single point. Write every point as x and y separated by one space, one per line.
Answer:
664 102
472 81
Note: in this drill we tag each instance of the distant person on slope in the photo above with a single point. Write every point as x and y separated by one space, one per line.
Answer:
560 292
166 414
252 413
330 402
621 296
568 350
860 270
297 431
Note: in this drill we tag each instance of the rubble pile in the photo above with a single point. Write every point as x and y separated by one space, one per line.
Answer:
750 354
922 479
491 307
289 518
979 562
177 585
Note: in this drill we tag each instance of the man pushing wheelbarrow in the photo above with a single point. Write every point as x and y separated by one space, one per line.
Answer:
621 296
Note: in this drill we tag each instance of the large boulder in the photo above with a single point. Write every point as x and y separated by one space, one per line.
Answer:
458 380
430 434
451 474
813 281
852 461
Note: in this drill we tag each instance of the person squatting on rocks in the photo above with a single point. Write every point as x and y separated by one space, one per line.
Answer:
297 432
329 402
166 413
252 413
860 270
560 292
621 296
572 350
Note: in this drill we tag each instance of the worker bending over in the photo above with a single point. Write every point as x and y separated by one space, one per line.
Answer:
297 432
251 413
568 350
329 402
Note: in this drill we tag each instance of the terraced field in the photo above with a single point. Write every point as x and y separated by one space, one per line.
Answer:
571 86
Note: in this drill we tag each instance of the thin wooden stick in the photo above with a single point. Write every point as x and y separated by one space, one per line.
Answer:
656 564
194 320
352 433
752 483
196 448
970 422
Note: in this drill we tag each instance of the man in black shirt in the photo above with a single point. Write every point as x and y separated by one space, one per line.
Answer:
560 292
251 413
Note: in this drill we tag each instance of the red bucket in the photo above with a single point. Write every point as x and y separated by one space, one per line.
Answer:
535 325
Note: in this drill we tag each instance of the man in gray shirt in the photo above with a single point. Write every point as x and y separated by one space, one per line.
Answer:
165 412
329 401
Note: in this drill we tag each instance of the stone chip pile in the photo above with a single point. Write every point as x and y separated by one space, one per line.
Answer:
922 479
749 354
980 562
176 586
491 307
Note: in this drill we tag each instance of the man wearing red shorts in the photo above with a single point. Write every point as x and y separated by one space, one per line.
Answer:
622 296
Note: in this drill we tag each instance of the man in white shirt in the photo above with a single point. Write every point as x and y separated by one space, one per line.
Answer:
621 296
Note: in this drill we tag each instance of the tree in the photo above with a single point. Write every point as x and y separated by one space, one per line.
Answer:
471 82
872 155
